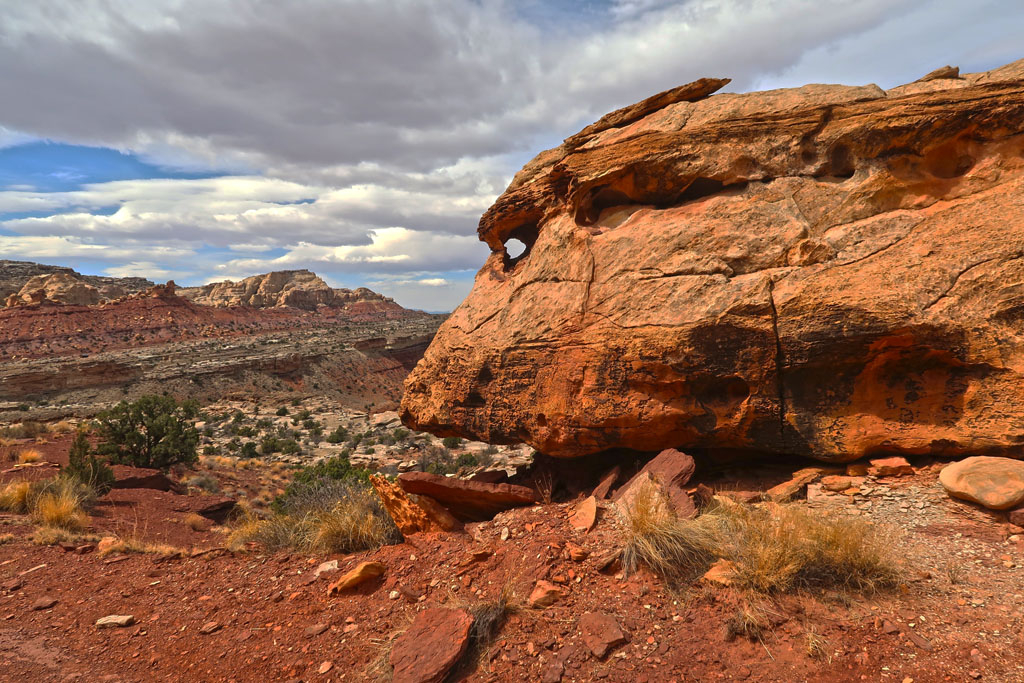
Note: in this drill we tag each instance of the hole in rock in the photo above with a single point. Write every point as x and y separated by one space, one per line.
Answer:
514 248
518 245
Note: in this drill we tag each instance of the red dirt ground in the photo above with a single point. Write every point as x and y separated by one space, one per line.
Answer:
959 620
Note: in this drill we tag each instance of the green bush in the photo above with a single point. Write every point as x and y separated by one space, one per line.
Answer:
339 435
154 431
467 460
315 477
282 411
86 467
451 441
248 450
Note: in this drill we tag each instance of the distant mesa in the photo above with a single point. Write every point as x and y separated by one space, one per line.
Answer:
295 288
24 284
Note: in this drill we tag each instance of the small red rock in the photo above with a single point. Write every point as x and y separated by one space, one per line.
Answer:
544 595
431 646
601 633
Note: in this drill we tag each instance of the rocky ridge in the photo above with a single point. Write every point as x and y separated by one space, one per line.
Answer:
296 288
23 279
830 271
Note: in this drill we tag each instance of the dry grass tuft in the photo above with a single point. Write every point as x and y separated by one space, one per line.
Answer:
134 544
196 522
16 497
60 507
349 523
6 538
53 536
29 455
775 548
62 427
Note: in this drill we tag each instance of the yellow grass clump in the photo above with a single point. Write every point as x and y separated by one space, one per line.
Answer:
60 507
30 455
195 522
771 548
15 497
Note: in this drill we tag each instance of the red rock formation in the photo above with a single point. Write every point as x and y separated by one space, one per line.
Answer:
831 271
467 500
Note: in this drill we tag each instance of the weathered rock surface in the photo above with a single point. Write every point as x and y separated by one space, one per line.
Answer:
127 477
295 288
467 500
431 646
55 288
15 274
663 478
361 573
601 633
830 271
996 483
410 516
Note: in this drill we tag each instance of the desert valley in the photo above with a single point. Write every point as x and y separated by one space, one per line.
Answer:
747 407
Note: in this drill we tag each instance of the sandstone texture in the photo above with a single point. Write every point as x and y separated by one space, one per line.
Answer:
56 288
295 288
467 500
996 483
831 271
431 646
14 275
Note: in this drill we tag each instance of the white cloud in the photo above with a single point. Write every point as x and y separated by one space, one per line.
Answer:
365 138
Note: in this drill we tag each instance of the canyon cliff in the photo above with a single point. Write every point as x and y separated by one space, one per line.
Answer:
829 271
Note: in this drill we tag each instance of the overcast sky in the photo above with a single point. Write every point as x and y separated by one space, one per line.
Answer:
207 139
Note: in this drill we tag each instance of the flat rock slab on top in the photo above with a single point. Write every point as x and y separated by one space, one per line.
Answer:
431 646
467 500
996 483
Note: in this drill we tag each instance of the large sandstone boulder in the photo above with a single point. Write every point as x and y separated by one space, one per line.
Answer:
829 270
996 483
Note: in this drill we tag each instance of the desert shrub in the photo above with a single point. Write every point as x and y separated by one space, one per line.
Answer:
84 466
451 442
316 482
467 460
248 450
25 430
436 460
29 456
62 427
206 482
301 416
772 549
486 456
330 516
338 435
282 411
154 431
400 434
210 449
6 538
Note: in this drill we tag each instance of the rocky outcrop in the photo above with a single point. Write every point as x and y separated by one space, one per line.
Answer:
295 288
829 270
14 275
56 288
